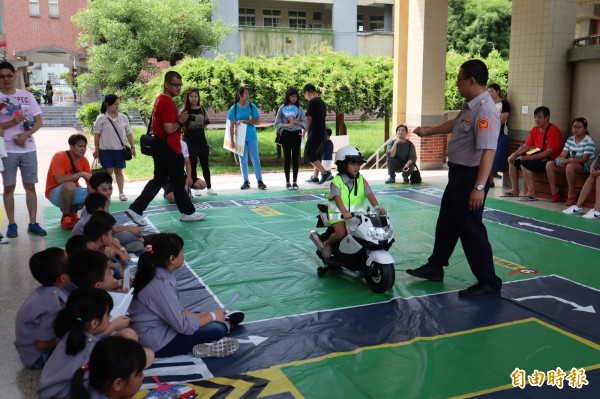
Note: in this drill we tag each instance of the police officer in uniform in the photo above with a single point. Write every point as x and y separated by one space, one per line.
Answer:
470 157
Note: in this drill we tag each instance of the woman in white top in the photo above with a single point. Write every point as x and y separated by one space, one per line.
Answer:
111 132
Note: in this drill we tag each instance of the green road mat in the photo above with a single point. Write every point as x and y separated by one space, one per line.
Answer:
257 244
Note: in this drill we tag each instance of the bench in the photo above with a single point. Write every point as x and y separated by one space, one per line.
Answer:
542 187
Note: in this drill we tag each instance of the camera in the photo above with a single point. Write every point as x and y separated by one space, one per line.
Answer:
191 118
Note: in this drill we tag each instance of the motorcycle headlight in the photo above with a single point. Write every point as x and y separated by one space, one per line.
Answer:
380 233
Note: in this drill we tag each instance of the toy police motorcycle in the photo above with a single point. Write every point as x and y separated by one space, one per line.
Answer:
364 249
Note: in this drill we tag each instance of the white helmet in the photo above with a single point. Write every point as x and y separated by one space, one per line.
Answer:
349 153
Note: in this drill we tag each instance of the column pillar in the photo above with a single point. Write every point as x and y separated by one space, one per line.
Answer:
420 73
229 12
541 33
343 23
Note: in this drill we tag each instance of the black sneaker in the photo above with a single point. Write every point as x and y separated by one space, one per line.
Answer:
312 180
427 272
245 186
295 186
261 185
234 317
390 181
325 176
479 290
288 186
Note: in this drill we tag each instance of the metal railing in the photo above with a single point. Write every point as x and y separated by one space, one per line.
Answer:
589 40
377 157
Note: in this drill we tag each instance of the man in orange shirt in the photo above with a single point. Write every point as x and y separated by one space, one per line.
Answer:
62 183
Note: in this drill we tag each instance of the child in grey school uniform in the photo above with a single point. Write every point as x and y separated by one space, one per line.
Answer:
80 325
35 339
116 370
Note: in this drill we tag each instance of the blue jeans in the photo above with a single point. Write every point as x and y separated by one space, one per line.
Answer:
182 344
252 148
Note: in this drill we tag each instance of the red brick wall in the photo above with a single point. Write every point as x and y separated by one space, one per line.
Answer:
26 34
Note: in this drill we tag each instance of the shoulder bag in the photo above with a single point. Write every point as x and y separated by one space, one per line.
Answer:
126 149
147 140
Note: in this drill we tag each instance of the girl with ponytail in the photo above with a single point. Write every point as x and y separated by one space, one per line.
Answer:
79 326
158 317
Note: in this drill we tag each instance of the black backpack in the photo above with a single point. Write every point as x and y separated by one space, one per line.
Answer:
415 177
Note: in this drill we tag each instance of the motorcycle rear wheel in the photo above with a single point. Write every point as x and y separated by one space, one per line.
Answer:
380 277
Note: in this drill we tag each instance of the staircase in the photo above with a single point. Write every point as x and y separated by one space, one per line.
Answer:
60 116
64 116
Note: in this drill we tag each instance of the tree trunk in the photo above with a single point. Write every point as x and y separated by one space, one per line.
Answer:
386 126
340 125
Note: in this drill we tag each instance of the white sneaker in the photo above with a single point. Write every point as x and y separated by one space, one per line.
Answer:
592 214
211 191
573 210
194 217
3 240
197 193
223 347
136 218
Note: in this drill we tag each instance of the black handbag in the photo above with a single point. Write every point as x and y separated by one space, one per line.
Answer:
147 140
415 177
126 149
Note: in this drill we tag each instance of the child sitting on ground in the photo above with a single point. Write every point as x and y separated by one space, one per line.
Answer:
158 316
79 243
326 158
93 202
99 229
92 269
349 192
81 324
35 339
129 236
116 370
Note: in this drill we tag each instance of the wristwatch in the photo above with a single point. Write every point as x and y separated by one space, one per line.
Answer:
479 187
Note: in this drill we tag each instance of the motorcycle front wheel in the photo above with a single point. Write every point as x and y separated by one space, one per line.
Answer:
380 278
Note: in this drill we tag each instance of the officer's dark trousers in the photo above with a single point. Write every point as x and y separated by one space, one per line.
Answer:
457 221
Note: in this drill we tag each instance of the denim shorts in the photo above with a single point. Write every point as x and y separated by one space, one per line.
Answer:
112 159
80 194
26 161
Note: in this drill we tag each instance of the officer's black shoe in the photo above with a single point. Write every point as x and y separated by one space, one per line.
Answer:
427 272
479 290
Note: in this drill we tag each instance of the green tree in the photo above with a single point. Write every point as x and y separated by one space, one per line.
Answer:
120 37
478 27
497 69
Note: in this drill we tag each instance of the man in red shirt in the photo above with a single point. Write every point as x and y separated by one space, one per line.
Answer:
544 137
168 157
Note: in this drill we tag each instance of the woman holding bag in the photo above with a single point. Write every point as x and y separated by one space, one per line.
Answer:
111 129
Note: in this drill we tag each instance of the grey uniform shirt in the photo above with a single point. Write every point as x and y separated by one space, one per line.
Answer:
475 129
155 312
35 320
55 381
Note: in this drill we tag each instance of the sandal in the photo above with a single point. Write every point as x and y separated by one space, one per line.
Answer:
122 197
556 197
571 201
527 198
509 194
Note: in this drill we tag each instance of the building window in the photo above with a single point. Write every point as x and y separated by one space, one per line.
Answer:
360 27
297 19
34 8
317 16
53 8
247 17
376 22
271 18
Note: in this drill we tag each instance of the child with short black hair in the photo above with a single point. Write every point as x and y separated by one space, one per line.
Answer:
92 269
93 202
99 229
35 339
116 370
80 325
79 243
